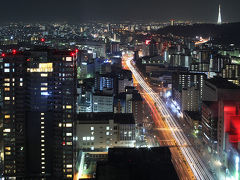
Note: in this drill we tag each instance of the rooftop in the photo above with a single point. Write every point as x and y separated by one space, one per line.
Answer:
222 83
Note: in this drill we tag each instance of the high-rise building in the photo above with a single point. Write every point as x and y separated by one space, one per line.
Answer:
185 87
221 118
38 114
219 15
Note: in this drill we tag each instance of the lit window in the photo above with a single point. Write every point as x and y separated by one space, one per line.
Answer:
44 84
44 88
107 133
7 116
60 125
42 132
69 143
42 114
6 98
92 138
8 148
21 84
42 154
69 125
42 149
68 58
21 79
88 138
42 127
6 65
42 122
92 128
42 136
84 138
107 128
6 70
68 107
7 130
42 140
69 165
6 89
42 117
7 80
69 176
44 75
68 134
7 153
6 84
42 162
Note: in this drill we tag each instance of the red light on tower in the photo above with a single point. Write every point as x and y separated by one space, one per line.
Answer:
42 40
28 59
3 55
14 51
76 50
72 54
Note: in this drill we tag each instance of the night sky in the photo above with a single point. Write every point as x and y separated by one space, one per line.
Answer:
117 10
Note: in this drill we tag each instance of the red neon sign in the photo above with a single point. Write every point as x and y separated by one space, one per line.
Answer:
147 42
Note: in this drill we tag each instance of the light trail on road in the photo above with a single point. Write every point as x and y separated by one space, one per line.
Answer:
199 169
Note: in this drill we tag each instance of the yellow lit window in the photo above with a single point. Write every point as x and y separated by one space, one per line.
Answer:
42 113
68 107
7 80
44 75
8 153
6 89
44 88
7 116
8 148
43 67
20 84
6 84
69 176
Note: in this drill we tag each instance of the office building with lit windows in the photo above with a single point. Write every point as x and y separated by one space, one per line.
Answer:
100 131
38 114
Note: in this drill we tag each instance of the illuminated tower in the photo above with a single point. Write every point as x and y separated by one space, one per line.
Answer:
219 15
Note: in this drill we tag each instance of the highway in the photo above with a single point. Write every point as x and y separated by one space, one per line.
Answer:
197 166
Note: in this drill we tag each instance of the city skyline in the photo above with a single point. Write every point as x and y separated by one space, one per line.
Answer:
81 11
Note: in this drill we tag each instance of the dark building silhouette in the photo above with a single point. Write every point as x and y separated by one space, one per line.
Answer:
38 113
137 164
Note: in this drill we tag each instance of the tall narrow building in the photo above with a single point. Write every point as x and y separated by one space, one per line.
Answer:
38 114
219 15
